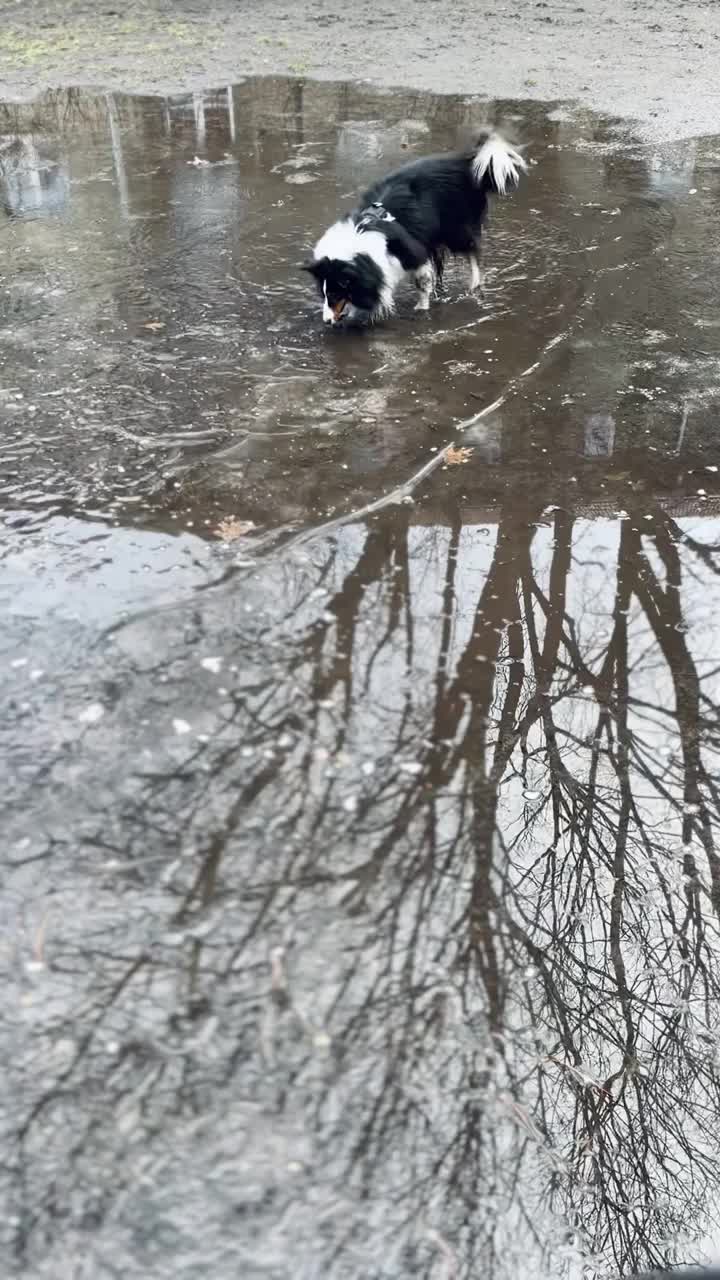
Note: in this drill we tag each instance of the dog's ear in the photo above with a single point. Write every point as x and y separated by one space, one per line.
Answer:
311 267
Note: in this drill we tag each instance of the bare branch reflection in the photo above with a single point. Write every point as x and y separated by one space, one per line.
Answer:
443 921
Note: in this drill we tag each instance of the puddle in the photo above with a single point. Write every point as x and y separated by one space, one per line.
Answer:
361 876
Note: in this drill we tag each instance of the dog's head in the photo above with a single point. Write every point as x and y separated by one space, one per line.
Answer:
347 286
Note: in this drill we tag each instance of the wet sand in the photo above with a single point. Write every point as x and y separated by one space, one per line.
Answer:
654 61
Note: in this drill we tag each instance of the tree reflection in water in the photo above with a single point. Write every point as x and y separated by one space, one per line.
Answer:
432 980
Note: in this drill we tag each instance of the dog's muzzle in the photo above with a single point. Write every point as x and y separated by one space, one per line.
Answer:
334 314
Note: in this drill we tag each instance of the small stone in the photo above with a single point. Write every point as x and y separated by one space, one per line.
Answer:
92 714
211 664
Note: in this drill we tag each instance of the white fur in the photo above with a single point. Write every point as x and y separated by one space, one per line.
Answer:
328 316
343 241
504 162
425 280
393 272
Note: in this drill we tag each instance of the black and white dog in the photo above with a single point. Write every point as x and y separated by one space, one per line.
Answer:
407 224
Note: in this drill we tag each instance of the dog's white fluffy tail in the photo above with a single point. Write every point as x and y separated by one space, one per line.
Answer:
497 165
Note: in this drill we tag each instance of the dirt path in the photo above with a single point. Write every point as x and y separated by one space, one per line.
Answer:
655 60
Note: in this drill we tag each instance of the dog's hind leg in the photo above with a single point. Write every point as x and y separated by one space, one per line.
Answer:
476 279
424 281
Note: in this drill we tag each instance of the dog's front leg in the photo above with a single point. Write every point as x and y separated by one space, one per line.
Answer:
424 281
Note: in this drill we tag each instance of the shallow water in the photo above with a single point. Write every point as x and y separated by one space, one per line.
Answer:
361 879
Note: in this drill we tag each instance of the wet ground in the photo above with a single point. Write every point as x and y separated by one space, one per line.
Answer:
652 61
361 884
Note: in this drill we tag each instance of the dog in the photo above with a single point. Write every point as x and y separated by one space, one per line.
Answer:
407 224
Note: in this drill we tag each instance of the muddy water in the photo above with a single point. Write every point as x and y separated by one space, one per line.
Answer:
361 884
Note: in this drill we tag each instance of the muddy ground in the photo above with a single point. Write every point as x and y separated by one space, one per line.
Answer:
653 59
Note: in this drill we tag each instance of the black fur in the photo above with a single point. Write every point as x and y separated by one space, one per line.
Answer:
357 282
409 249
436 201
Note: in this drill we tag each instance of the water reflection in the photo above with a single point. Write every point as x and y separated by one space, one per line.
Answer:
31 183
401 925
362 893
160 346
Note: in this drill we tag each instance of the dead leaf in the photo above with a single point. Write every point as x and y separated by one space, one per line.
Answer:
154 324
454 457
231 528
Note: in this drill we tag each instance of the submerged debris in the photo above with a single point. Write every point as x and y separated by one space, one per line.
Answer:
454 457
231 528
